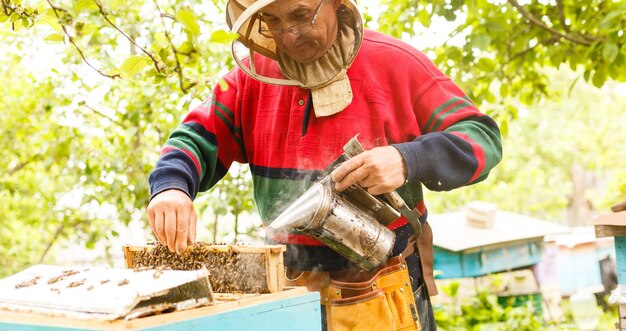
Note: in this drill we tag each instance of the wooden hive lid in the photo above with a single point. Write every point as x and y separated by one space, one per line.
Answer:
610 224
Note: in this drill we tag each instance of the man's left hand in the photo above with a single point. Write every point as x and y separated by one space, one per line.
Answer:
379 170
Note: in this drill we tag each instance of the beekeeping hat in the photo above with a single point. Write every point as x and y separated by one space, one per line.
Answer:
326 77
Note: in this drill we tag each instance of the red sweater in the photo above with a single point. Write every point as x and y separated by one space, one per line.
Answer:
400 98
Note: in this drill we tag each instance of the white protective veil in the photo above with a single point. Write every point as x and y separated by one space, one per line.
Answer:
326 77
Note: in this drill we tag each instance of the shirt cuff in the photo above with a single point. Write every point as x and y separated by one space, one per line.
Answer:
409 153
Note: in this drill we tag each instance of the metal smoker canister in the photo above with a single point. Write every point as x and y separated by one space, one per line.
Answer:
335 221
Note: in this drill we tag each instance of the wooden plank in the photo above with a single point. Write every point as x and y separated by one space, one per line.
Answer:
274 249
603 230
610 222
275 269
275 311
130 251
619 207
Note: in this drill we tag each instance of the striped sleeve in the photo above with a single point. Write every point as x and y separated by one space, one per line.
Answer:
201 149
459 145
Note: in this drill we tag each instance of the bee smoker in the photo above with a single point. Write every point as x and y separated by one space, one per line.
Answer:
352 222
341 223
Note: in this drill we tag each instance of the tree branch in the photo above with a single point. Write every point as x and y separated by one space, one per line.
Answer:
71 40
132 41
18 167
6 7
535 21
178 69
120 124
56 236
559 6
522 53
166 15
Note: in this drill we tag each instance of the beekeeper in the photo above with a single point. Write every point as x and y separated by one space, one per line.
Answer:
308 78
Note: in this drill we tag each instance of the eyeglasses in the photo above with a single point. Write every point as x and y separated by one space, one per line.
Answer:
296 30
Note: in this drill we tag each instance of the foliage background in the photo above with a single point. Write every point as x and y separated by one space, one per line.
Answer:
91 89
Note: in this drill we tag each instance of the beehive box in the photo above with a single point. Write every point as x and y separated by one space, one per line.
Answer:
292 309
232 268
276 309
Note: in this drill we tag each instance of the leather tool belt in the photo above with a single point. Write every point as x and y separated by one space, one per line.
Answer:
365 300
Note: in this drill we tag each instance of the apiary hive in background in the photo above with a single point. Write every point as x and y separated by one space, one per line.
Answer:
614 225
232 268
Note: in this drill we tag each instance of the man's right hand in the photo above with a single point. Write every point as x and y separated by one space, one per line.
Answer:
173 219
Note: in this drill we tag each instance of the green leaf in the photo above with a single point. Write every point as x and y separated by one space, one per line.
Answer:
449 15
3 18
223 37
607 21
81 5
114 72
55 37
494 26
610 52
423 16
481 41
186 47
486 65
93 239
599 77
134 64
51 19
571 87
25 22
188 19
504 90
115 4
576 59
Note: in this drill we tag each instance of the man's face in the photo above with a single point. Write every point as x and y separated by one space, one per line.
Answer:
291 16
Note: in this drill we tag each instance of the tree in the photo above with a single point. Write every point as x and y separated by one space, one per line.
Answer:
170 40
499 50
80 138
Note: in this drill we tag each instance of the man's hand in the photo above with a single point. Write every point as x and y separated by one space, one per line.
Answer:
379 170
173 219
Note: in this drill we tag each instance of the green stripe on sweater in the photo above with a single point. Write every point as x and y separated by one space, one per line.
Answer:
435 113
237 132
448 112
184 137
485 136
228 119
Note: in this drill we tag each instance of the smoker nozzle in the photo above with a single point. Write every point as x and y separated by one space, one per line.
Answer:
302 213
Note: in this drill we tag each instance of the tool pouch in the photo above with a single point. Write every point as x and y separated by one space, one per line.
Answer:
383 302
